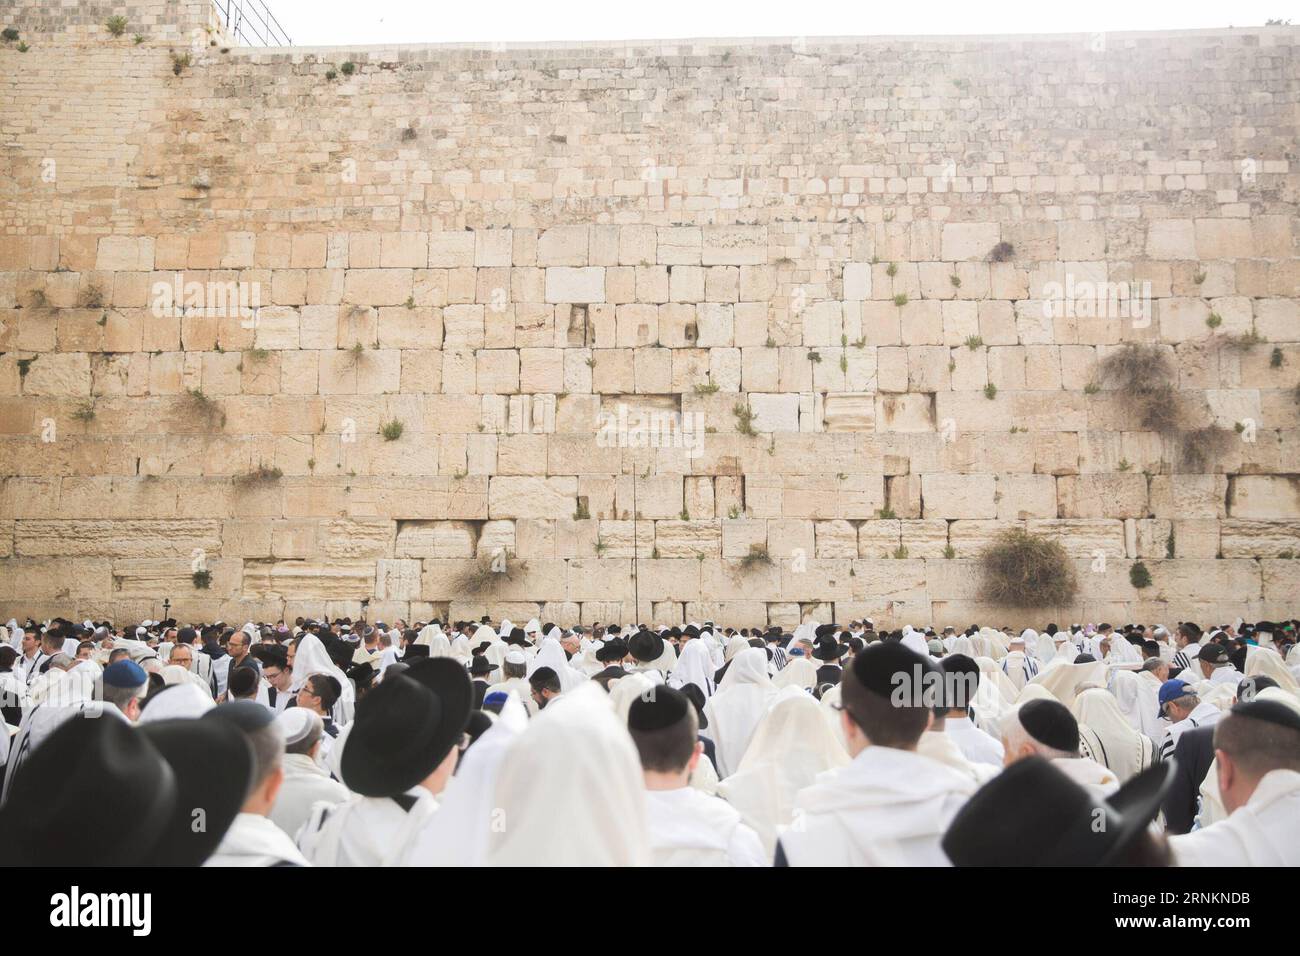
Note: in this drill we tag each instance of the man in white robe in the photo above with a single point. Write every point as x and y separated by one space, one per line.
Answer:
1184 709
398 756
305 782
686 827
889 806
253 840
1257 757
962 674
1046 728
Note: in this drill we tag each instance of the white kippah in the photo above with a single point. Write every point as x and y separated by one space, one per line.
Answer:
297 723
516 657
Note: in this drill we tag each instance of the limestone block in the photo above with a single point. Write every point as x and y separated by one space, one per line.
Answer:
1102 496
959 496
1264 497
969 240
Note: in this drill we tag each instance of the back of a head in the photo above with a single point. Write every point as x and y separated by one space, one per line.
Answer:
961 680
884 693
1260 736
243 683
663 725
263 734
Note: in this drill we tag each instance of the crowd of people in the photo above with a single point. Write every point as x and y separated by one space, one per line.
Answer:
346 743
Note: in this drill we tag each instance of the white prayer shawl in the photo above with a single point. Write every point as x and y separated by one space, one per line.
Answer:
305 785
1092 776
571 788
457 835
688 828
552 655
791 746
798 672
734 711
1202 715
1019 668
363 831
1266 662
312 658
694 666
461 649
1107 736
704 778
735 646
915 641
1041 646
431 636
961 644
625 690
830 701
1263 832
253 840
977 745
942 746
715 650
1137 695
886 808
1064 681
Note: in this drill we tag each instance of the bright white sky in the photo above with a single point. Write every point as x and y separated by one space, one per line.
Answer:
352 23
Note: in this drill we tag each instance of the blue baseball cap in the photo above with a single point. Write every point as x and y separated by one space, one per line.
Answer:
1171 690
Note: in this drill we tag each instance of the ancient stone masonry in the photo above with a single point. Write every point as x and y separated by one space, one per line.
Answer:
752 330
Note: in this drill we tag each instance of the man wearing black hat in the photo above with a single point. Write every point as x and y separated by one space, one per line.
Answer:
480 667
1257 756
1215 664
252 839
828 651
889 806
398 755
686 827
611 653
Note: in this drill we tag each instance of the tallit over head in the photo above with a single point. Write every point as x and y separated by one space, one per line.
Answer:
570 790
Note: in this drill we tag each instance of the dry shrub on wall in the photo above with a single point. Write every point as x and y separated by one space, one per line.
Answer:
486 573
1144 375
1020 569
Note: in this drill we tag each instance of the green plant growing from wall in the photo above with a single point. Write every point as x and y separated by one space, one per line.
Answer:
1139 576
115 25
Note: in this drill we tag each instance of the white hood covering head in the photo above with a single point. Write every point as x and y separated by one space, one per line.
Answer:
552 655
798 672
1266 662
431 636
791 746
570 790
312 658
625 690
733 712
1124 750
694 666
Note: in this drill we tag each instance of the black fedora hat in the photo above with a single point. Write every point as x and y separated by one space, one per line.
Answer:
102 763
393 743
828 649
213 763
612 650
1032 814
646 647
480 665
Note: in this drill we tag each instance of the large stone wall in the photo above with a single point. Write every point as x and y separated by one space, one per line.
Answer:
498 248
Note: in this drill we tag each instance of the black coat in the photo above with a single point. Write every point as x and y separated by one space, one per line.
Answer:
829 674
1193 753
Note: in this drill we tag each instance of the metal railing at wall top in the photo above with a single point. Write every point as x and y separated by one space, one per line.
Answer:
252 23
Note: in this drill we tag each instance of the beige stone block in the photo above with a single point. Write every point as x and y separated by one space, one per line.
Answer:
531 497
1264 497
968 240
959 496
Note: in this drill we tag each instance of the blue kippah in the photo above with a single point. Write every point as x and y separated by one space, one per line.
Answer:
124 673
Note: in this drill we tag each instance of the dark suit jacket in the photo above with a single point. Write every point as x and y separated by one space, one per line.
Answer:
1193 753
829 674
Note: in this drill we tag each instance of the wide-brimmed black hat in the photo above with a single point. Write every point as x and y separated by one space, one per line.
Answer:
612 650
88 762
405 727
828 649
646 646
213 763
392 745
481 665
1032 814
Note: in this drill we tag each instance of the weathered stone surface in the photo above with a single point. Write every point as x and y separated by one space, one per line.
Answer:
892 353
